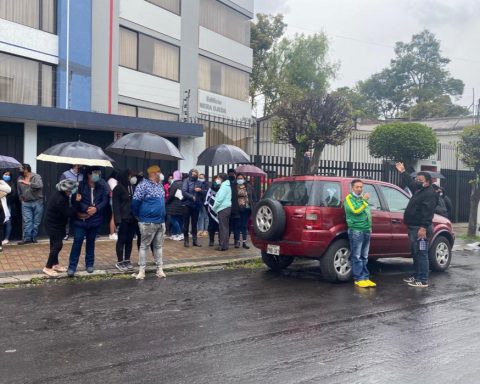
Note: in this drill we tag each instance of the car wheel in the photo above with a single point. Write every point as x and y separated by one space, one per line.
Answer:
268 219
440 254
335 263
276 263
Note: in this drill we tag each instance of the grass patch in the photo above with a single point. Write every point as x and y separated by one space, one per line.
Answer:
469 238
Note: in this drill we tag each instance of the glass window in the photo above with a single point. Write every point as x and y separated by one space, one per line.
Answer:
373 200
300 193
28 12
396 200
224 20
127 110
169 5
128 48
26 81
147 113
222 79
158 58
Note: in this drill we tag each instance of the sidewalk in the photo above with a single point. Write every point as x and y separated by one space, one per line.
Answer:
16 260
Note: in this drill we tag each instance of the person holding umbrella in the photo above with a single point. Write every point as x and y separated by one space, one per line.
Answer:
59 210
175 207
10 199
222 207
89 204
4 211
193 192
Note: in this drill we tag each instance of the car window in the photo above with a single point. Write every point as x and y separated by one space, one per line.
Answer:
374 200
300 193
330 194
396 200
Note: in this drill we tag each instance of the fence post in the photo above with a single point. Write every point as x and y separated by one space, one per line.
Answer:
457 186
350 164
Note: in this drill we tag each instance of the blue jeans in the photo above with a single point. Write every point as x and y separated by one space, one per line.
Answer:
79 233
8 226
241 224
203 219
32 212
420 258
176 222
359 246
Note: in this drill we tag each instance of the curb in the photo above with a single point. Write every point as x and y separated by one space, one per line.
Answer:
27 278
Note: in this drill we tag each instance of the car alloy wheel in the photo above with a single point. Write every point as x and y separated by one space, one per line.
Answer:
442 253
264 218
341 262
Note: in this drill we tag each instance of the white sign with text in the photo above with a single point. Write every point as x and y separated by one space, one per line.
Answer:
212 104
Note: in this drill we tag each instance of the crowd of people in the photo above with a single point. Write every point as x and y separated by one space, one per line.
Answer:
183 207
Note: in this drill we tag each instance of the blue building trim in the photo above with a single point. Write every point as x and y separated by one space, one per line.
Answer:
80 55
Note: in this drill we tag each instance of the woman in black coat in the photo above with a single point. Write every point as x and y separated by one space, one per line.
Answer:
125 221
59 210
175 206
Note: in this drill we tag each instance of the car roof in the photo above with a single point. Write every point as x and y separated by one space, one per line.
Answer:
328 178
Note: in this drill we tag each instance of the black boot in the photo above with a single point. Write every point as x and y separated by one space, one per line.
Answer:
244 245
186 243
195 242
237 244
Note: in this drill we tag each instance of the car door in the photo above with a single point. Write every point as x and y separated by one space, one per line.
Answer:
381 223
396 202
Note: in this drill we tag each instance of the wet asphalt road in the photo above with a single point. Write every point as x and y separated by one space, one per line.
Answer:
246 326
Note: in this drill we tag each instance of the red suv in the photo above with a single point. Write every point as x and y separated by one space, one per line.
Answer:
303 216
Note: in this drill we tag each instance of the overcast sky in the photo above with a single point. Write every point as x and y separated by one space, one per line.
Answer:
363 32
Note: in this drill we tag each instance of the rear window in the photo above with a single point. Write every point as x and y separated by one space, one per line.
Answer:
298 193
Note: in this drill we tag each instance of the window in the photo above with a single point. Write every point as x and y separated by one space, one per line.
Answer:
373 201
222 79
169 5
300 193
396 200
147 113
26 81
225 21
146 54
38 14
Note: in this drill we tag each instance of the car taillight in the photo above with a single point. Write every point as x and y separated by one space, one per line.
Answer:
312 218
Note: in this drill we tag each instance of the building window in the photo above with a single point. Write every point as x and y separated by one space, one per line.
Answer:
26 81
224 20
38 14
222 79
146 54
169 5
146 113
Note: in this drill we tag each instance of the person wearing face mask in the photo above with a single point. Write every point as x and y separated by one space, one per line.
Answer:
125 221
203 216
209 203
5 189
175 206
359 222
246 200
30 193
9 204
193 197
222 207
235 210
59 210
418 217
90 204
72 174
112 183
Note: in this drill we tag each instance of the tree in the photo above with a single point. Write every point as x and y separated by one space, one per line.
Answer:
361 106
310 122
440 107
404 142
469 150
265 32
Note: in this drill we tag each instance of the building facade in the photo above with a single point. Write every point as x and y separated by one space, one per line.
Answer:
131 64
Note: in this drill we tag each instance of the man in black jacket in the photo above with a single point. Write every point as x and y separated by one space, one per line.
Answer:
418 218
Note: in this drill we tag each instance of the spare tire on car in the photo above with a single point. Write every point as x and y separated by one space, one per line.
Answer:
269 219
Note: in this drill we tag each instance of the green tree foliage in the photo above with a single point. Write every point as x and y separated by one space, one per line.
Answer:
469 151
417 75
311 121
440 107
362 107
265 32
405 142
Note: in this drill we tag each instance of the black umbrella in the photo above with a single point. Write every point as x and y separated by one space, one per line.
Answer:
434 175
223 154
9 162
76 152
146 146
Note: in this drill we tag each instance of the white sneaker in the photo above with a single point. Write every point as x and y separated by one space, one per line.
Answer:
160 274
180 237
140 275
5 242
113 236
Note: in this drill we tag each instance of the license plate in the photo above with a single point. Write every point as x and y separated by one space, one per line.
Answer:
273 249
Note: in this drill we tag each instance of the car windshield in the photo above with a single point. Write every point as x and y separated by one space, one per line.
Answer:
298 193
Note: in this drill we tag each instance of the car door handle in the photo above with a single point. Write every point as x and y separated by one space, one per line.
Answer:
396 221
298 216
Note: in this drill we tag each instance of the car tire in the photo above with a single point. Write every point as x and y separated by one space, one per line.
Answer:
268 219
440 254
335 264
276 263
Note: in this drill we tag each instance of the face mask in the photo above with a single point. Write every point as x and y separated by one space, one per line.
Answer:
419 184
162 177
133 180
240 181
194 178
95 178
354 194
6 178
218 181
74 190
231 178
170 181
201 180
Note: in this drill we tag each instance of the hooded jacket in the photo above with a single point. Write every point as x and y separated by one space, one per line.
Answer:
58 211
223 198
148 203
122 196
98 197
191 198
421 207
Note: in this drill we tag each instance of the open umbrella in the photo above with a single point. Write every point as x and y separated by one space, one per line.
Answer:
434 175
76 152
9 162
222 154
250 170
145 145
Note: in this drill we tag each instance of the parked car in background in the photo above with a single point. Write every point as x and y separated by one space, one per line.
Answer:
303 216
